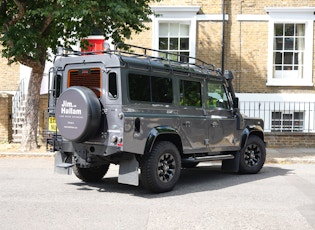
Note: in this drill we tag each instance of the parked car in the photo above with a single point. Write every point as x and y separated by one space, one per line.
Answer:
155 115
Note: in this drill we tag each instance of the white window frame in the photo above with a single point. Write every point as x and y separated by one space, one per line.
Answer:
292 16
283 126
179 36
176 14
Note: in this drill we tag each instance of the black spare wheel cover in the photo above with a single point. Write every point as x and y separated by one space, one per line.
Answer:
78 113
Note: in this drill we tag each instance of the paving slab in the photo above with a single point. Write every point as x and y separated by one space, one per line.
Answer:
274 155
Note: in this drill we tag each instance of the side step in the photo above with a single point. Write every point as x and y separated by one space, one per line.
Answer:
208 158
64 165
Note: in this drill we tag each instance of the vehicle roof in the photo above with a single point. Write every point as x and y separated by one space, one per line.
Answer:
141 61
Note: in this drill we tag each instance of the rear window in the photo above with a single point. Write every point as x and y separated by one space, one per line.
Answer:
90 78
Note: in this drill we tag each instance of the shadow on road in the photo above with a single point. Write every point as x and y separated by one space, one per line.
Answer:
199 179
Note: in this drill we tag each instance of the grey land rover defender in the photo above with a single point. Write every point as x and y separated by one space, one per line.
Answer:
149 114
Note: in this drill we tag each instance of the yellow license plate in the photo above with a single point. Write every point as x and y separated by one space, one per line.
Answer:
52 125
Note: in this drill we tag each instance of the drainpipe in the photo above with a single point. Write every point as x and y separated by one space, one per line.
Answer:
223 37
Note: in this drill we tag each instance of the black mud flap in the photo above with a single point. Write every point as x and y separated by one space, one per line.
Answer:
231 165
63 163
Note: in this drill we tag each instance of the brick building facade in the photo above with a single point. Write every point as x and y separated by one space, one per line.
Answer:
5 117
248 28
11 77
268 46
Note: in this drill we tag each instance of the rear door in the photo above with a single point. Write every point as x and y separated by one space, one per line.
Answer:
193 120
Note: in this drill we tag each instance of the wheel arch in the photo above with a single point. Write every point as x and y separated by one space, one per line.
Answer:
163 133
252 130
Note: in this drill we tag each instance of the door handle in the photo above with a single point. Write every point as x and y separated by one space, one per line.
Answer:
186 124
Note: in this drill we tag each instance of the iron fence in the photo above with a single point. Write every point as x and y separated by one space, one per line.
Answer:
282 116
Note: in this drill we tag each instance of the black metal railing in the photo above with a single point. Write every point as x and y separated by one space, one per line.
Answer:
282 116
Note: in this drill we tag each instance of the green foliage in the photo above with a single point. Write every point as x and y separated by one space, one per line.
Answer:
28 28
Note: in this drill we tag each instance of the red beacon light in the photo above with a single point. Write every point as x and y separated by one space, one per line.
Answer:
96 43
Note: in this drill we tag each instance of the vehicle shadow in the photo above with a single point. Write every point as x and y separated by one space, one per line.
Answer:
199 179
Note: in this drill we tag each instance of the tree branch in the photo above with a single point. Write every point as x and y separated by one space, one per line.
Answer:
3 7
28 61
19 15
47 22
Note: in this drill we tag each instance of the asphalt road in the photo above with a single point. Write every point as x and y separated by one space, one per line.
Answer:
281 196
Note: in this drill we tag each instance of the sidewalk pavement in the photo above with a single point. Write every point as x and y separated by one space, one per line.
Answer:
291 155
274 155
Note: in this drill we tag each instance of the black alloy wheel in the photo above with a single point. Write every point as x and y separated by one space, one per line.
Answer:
160 168
253 155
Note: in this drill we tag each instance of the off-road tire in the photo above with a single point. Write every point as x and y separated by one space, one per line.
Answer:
160 168
93 174
252 156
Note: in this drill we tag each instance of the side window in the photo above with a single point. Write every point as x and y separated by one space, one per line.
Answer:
162 90
57 86
150 89
217 96
190 93
139 87
112 85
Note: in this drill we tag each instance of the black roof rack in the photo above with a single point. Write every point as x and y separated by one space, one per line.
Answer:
172 60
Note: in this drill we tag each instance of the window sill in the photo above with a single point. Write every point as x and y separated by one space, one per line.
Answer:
289 82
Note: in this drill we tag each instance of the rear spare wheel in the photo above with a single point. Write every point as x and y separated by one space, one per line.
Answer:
78 114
